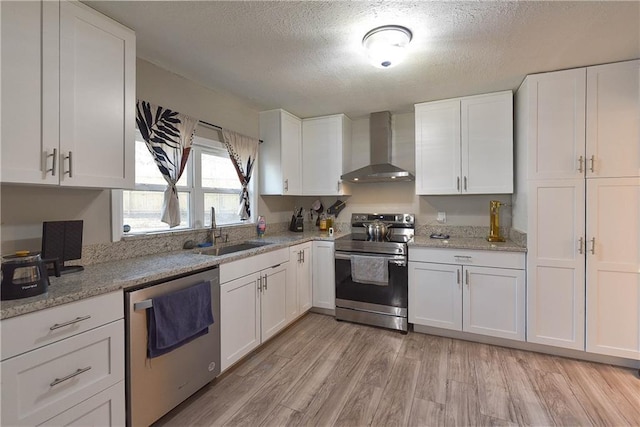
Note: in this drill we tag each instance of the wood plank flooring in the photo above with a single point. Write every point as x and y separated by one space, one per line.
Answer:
328 373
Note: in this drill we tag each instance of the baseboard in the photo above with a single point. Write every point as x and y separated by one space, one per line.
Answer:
326 311
521 345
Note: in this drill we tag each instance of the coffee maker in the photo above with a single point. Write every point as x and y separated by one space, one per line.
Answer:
24 274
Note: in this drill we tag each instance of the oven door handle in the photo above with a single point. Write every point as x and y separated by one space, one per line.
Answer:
392 259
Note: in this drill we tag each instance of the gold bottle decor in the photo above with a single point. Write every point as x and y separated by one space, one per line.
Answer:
494 221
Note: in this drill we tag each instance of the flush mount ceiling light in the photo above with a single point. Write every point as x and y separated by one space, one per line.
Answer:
386 45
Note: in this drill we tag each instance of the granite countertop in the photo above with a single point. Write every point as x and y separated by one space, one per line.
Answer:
106 277
479 243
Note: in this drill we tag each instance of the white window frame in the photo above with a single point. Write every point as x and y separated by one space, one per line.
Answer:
196 197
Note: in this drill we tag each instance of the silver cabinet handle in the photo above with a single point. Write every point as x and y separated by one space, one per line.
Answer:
286 185
299 257
466 257
593 246
592 159
54 161
302 256
458 184
265 282
580 244
458 275
68 377
580 164
465 183
338 187
70 322
260 284
467 276
70 171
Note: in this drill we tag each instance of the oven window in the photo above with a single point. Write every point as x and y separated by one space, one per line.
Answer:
394 294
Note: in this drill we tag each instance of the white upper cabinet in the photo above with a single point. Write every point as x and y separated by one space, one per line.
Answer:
613 120
438 147
68 81
280 153
29 132
326 144
551 118
487 144
97 99
465 145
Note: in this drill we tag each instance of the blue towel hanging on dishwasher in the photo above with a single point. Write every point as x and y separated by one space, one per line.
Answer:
177 318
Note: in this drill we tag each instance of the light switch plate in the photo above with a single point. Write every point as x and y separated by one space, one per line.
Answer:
442 217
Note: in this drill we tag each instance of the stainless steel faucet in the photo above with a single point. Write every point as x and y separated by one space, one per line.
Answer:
212 232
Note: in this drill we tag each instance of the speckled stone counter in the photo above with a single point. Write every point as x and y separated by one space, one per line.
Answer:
454 242
111 276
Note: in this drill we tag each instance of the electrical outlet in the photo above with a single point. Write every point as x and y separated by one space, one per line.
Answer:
442 217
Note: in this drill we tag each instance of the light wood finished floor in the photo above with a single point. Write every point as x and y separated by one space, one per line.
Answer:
323 372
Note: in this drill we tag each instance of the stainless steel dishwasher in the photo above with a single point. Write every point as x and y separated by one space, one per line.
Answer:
157 385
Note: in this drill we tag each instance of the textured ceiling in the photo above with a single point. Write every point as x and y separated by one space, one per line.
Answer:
307 58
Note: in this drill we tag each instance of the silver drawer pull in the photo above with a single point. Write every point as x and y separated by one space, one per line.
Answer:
68 377
70 322
462 256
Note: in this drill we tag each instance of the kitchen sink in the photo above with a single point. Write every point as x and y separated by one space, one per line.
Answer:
238 247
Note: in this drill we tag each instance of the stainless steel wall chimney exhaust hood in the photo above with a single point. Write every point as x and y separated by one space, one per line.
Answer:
380 169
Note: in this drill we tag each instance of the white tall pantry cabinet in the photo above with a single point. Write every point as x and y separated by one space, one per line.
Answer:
68 96
578 192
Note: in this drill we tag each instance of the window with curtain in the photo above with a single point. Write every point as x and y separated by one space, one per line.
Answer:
209 179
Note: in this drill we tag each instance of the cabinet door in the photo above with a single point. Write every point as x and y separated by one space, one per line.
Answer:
304 279
97 99
556 134
494 302
29 96
438 147
435 295
322 155
613 124
556 263
291 128
613 266
239 318
324 275
292 297
106 408
42 383
273 300
487 143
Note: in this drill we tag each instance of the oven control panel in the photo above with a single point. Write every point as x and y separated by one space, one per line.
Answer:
407 220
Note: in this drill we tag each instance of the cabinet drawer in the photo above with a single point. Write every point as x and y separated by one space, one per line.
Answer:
41 384
30 331
242 267
104 409
468 257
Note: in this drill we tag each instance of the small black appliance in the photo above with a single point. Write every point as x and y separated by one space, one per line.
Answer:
23 275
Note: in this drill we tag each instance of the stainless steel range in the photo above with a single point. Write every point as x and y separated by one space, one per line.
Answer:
371 270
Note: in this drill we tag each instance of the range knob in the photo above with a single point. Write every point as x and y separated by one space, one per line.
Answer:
408 218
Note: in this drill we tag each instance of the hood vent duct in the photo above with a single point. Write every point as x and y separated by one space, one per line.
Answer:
380 169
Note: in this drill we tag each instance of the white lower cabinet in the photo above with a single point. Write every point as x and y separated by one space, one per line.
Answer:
473 291
299 281
105 408
252 306
78 378
324 278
